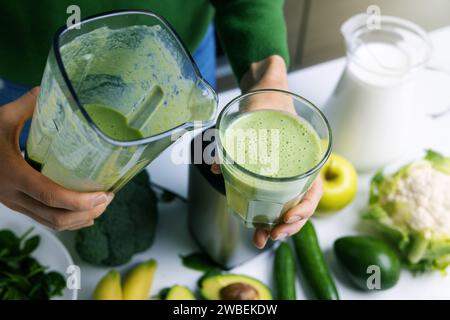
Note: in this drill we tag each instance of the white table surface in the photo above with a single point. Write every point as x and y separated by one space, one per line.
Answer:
314 83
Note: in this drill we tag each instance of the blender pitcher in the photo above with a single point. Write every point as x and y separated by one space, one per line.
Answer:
373 110
117 90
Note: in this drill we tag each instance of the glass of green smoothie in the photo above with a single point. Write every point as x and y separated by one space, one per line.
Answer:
117 89
271 146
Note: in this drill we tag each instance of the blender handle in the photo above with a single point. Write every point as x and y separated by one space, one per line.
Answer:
447 73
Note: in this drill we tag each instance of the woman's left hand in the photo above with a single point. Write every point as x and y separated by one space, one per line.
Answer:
294 218
271 73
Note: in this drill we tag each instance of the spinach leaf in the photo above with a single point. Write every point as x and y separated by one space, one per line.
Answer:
54 283
30 245
198 261
9 244
22 277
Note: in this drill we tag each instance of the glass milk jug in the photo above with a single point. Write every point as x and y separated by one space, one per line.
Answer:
372 110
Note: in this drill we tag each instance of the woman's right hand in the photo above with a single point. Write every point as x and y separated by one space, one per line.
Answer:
26 190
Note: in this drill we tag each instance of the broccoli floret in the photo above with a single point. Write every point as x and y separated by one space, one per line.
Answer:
92 244
125 228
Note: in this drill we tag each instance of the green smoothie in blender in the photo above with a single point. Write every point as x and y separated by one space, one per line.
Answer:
131 84
112 123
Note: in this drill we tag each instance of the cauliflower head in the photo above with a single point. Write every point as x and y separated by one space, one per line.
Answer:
412 209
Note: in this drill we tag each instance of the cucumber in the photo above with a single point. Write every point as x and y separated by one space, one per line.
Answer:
284 272
358 254
312 263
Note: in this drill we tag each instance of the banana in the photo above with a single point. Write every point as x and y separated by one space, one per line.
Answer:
138 281
109 287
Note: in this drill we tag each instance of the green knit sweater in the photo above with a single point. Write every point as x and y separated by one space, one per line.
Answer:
250 30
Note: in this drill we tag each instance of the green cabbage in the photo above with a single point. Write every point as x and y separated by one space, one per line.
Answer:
422 248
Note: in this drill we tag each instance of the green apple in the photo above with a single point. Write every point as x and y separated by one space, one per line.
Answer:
340 183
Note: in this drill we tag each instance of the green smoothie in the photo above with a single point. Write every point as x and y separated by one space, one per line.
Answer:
109 121
272 144
295 144
112 123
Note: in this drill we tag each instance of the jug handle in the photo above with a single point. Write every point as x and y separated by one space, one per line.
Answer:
447 73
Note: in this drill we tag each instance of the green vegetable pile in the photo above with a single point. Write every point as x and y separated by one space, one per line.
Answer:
411 208
125 228
21 276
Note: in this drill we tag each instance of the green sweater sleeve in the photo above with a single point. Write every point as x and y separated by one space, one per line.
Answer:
251 30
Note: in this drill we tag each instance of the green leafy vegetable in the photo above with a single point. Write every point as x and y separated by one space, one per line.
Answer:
439 161
198 261
125 228
21 276
412 208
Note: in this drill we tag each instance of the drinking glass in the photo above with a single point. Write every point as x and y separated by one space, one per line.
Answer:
257 199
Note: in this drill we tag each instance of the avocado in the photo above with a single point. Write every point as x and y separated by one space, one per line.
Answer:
179 293
358 255
233 287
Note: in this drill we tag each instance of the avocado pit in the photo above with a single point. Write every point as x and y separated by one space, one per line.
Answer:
239 291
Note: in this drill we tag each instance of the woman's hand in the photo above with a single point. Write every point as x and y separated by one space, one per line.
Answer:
294 218
272 73
28 191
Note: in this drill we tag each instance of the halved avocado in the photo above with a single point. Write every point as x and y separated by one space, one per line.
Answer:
179 293
233 287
